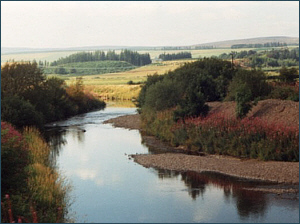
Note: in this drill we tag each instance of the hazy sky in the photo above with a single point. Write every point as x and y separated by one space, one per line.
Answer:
151 23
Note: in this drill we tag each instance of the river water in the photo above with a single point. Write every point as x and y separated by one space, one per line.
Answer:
110 187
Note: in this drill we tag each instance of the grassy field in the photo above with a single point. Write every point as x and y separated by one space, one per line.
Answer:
114 85
91 67
135 75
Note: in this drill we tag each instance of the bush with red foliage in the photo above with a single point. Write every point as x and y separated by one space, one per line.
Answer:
248 137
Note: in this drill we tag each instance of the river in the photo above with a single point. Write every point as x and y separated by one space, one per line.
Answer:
107 186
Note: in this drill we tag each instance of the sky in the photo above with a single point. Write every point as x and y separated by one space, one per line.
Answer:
63 24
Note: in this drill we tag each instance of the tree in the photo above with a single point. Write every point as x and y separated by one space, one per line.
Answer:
243 98
192 105
288 75
20 113
20 78
255 80
162 95
60 70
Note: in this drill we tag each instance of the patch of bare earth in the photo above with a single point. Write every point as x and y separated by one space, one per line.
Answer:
127 121
278 111
284 112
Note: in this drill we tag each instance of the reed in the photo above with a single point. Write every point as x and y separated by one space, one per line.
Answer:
34 190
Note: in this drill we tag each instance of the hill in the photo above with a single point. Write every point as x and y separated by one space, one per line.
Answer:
219 44
258 40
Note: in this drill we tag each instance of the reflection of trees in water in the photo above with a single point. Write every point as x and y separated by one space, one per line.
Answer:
56 139
195 184
248 203
78 134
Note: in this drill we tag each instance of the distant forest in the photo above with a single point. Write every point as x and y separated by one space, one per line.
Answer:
267 58
189 47
131 57
269 44
169 57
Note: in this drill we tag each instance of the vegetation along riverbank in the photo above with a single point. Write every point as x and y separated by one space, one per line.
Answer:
31 188
275 171
211 107
175 108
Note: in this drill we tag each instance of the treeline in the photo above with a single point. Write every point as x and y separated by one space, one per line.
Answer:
131 57
268 44
175 56
204 47
267 58
189 47
29 99
169 101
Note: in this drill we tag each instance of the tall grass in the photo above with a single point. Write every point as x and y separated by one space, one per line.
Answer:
49 190
44 193
116 92
220 134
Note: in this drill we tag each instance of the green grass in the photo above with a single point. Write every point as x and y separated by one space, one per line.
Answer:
121 78
92 67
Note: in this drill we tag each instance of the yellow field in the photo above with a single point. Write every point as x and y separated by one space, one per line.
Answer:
114 85
135 75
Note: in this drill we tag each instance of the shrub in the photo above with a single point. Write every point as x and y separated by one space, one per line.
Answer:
255 81
20 113
33 184
288 75
151 80
14 159
162 95
192 105
284 93
243 98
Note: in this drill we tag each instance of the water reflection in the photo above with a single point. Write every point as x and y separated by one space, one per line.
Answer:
95 157
249 203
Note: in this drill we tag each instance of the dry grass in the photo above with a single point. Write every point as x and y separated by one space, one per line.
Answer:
48 188
115 92
114 85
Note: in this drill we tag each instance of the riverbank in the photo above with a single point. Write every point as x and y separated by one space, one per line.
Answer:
278 172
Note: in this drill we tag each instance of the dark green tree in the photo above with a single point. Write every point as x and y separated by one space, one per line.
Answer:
243 96
288 75
20 78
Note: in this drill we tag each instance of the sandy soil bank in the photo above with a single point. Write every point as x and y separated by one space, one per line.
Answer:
280 172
